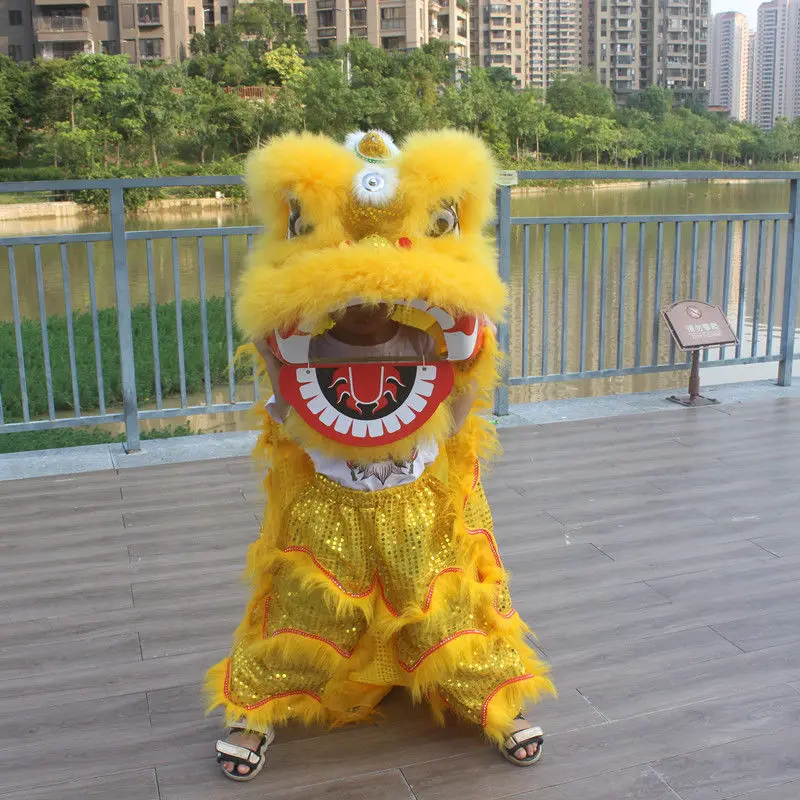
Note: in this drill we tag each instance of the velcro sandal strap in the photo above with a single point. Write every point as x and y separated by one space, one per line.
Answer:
523 738
235 752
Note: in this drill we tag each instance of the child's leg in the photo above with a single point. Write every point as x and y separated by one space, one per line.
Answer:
292 651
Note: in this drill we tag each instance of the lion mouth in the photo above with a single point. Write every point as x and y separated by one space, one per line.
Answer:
373 403
461 334
367 404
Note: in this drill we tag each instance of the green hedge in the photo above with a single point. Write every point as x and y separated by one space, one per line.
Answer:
85 357
75 437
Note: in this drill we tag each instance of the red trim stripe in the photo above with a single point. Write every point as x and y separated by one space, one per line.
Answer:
430 651
269 699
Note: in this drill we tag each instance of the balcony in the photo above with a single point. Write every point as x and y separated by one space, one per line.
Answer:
62 49
149 15
66 24
61 3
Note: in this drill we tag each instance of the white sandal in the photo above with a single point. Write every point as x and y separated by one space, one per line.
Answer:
244 756
521 740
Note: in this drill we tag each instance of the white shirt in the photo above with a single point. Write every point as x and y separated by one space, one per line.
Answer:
407 342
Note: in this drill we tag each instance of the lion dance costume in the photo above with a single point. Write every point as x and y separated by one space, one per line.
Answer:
356 592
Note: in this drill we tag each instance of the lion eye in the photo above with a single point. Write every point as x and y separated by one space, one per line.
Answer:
443 221
298 225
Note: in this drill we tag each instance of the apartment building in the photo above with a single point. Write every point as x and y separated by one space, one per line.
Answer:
776 64
390 24
145 31
730 45
630 44
554 40
499 35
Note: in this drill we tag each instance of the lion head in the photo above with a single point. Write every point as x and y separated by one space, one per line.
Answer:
368 223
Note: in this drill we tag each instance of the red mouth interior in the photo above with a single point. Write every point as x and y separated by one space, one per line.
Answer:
364 404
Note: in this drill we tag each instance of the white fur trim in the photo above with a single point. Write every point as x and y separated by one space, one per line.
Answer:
375 185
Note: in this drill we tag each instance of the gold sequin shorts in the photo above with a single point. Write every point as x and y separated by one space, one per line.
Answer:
359 592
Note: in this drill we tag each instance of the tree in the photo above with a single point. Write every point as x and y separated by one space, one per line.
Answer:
159 109
282 64
654 100
571 95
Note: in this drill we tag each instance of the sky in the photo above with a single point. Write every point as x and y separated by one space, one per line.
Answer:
747 7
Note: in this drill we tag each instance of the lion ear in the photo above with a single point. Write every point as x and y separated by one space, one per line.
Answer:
450 166
312 171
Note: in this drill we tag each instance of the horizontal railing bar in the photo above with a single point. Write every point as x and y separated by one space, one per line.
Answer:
214 408
645 219
681 366
545 174
655 175
124 183
193 233
59 422
64 238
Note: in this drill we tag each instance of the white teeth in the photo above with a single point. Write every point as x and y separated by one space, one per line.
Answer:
375 428
294 349
317 405
405 415
442 317
342 424
359 429
392 423
306 376
425 388
461 346
329 416
308 390
417 402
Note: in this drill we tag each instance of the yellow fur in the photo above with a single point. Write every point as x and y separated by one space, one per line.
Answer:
304 279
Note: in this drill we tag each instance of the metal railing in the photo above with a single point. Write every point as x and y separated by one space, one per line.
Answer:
622 269
563 272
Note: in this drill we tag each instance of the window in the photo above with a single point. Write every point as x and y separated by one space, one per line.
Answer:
223 14
15 52
150 48
517 39
393 18
15 17
518 14
149 13
326 19
518 65
299 9
106 13
110 47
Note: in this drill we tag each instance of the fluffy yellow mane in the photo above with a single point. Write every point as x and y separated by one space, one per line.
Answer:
325 244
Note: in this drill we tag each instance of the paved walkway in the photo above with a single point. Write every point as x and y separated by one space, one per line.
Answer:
657 556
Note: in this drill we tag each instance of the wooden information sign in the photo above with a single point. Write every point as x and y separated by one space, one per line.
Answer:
696 326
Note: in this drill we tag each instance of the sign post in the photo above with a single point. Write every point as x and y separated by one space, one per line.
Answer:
696 326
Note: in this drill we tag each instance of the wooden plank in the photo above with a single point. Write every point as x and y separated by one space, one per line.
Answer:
49 657
735 769
139 784
634 783
611 747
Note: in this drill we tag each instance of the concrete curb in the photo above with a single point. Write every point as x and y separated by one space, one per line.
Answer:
97 458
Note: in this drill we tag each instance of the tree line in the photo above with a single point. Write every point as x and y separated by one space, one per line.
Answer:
100 116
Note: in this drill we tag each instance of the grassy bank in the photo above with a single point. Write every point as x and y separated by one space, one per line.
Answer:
75 437
86 366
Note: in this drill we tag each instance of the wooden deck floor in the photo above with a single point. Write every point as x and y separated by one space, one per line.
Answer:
657 556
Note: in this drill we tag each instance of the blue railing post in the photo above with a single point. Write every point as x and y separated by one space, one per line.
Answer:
503 239
790 287
130 407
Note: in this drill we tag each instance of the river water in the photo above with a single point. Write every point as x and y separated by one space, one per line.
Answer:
664 198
